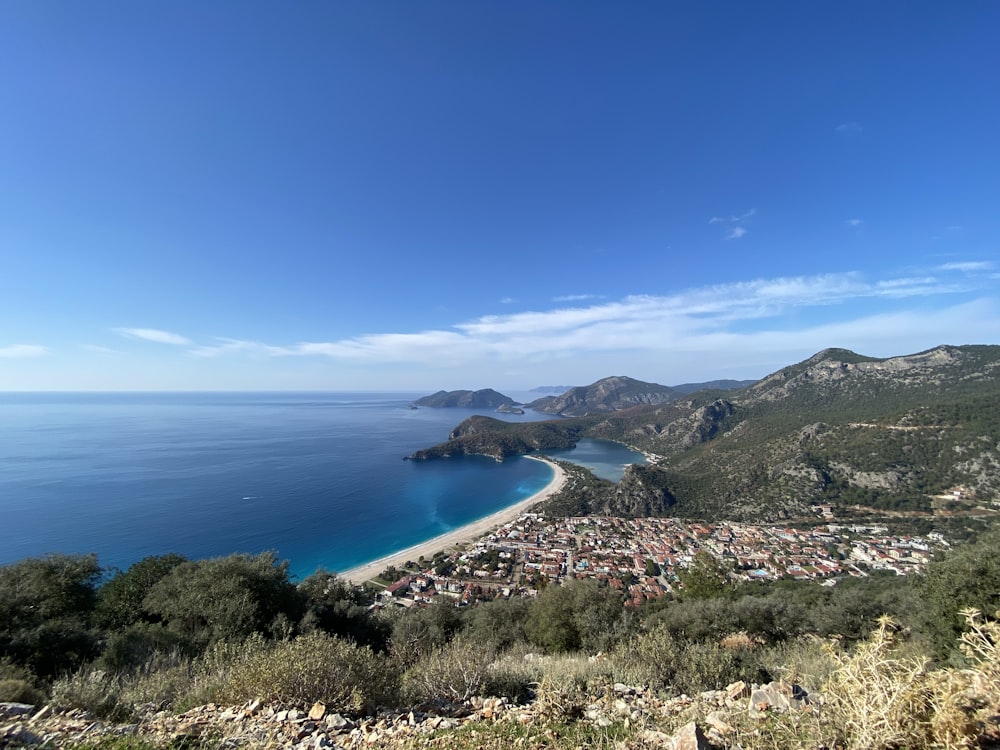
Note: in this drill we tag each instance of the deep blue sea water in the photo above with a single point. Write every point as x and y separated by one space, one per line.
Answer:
317 477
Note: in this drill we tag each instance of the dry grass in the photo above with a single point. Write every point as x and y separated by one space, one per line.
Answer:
876 699
879 697
966 702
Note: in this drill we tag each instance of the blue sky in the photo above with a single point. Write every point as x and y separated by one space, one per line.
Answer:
424 195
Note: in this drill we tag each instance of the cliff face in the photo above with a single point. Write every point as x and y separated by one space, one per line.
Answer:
678 427
642 492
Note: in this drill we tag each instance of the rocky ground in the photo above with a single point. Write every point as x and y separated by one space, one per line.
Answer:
629 717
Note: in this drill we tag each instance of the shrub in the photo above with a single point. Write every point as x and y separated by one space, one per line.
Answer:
337 607
706 666
454 672
512 680
651 658
119 602
46 604
558 702
165 680
968 577
212 671
313 667
20 691
136 646
804 661
93 690
660 660
225 598
418 632
499 623
580 614
11 671
879 697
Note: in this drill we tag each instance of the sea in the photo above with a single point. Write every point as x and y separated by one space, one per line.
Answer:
318 478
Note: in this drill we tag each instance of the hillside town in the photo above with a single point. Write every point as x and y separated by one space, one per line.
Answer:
641 557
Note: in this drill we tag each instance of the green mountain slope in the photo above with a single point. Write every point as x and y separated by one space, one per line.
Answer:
837 428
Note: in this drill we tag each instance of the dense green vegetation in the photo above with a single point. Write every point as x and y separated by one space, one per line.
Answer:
179 632
486 436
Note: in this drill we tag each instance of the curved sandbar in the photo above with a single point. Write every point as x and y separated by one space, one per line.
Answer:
463 534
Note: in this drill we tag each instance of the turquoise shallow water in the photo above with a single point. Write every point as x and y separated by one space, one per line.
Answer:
317 477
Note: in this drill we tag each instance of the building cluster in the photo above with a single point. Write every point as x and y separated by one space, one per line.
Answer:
642 556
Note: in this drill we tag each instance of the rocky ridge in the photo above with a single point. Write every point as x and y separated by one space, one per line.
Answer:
834 368
606 395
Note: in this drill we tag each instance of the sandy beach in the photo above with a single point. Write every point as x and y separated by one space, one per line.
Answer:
460 536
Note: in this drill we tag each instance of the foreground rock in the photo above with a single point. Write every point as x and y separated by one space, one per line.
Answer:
647 720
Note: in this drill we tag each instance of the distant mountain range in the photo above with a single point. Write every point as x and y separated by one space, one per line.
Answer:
684 388
712 385
608 394
838 428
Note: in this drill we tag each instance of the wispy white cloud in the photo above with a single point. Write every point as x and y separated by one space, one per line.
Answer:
734 232
969 266
854 222
225 346
22 351
508 301
153 334
849 127
724 315
733 219
575 297
99 349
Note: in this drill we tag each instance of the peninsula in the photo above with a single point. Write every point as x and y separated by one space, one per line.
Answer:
485 398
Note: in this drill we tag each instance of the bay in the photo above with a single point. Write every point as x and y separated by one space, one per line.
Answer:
603 457
317 477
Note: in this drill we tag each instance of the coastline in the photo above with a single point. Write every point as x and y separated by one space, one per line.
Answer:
463 534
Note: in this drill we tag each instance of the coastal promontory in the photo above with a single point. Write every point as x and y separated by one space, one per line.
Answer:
485 436
485 398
